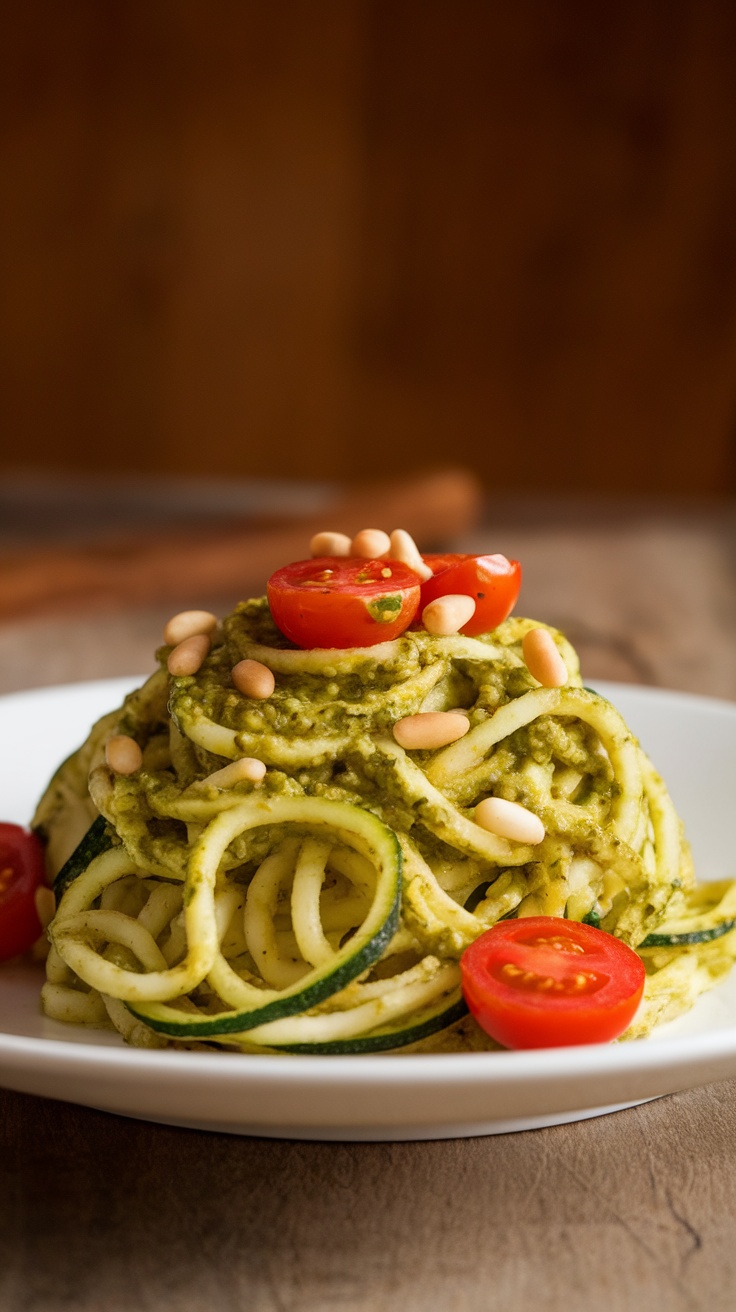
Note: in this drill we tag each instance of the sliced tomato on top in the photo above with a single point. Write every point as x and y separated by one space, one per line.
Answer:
21 873
544 982
492 581
343 601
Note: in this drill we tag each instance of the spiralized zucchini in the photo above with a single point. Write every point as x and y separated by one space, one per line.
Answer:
325 908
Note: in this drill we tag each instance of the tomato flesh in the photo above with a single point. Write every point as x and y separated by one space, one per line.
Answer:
21 872
335 601
492 581
543 982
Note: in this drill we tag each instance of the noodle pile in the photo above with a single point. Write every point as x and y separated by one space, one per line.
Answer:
325 908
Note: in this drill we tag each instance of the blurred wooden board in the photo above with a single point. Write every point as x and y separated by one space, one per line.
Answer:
353 236
647 594
170 563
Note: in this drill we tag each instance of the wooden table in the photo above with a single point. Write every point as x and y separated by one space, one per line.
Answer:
101 1213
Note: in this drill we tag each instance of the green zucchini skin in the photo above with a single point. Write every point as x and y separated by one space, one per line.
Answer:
96 841
687 940
236 1022
477 895
383 1041
179 1025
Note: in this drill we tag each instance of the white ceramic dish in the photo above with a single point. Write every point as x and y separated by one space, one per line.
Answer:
691 739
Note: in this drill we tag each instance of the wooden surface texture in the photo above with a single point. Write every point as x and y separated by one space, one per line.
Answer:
619 1214
637 1209
249 238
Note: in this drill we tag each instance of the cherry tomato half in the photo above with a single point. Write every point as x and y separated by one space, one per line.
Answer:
21 872
493 582
343 601
545 982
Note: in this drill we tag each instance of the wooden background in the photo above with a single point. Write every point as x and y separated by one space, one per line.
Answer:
320 237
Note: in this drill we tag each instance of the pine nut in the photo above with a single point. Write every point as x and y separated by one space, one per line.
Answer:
45 905
330 544
404 548
370 543
448 614
253 679
188 623
248 767
188 656
430 729
543 660
509 820
123 755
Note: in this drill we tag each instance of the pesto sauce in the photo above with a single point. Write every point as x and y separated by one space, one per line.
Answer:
348 706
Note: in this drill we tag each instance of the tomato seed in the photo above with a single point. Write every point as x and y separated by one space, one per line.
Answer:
559 942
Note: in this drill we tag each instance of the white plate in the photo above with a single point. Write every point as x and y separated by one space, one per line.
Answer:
691 739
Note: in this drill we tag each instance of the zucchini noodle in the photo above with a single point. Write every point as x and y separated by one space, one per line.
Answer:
325 908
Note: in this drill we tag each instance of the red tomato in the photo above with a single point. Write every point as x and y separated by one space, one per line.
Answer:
545 982
21 872
343 601
493 581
